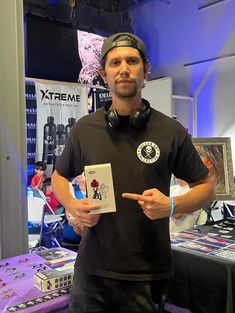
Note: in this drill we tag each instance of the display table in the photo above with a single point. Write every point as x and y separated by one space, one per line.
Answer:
17 291
204 262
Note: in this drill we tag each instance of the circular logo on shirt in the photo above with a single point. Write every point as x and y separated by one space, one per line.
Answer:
148 152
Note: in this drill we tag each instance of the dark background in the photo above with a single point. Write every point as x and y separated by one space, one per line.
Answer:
51 50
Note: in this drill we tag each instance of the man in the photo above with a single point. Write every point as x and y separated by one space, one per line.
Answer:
124 256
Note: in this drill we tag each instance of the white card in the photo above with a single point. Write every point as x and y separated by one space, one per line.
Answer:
99 183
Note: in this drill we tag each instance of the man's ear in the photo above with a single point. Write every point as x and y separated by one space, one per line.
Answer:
103 76
146 70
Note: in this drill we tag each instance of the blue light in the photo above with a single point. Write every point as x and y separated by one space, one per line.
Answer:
53 1
205 113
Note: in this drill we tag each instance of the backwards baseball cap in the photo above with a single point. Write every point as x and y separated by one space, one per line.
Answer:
124 40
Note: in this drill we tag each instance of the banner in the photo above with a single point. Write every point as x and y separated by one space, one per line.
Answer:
89 48
101 97
97 97
31 122
58 108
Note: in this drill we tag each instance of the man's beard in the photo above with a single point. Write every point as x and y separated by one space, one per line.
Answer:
129 92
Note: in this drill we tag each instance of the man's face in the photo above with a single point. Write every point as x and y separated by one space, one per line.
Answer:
124 72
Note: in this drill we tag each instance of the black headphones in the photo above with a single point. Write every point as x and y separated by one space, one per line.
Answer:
138 118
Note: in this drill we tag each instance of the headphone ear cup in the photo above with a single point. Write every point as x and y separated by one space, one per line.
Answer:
112 119
139 118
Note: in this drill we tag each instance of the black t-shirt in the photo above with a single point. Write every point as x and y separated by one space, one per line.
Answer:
126 244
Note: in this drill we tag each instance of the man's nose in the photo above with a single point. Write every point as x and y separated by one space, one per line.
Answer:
124 68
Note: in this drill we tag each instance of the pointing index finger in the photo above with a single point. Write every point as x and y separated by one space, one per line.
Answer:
133 196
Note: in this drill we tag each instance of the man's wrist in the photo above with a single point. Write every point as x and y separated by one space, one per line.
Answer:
172 206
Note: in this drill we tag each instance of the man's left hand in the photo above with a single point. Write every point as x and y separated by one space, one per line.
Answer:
154 203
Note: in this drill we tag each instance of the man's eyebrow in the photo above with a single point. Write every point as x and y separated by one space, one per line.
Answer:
124 57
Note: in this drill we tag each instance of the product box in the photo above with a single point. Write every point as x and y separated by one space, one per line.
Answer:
99 183
55 255
53 279
59 272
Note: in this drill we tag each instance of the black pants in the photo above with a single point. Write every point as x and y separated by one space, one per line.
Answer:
94 294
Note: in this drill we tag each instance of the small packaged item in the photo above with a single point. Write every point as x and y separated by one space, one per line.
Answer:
99 183
53 279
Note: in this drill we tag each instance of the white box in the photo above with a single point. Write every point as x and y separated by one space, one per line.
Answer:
99 183
52 279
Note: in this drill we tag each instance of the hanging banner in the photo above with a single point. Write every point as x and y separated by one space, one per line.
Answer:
101 97
58 108
89 48
31 126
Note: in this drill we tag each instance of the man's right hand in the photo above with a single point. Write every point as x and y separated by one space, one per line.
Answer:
78 212
78 208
